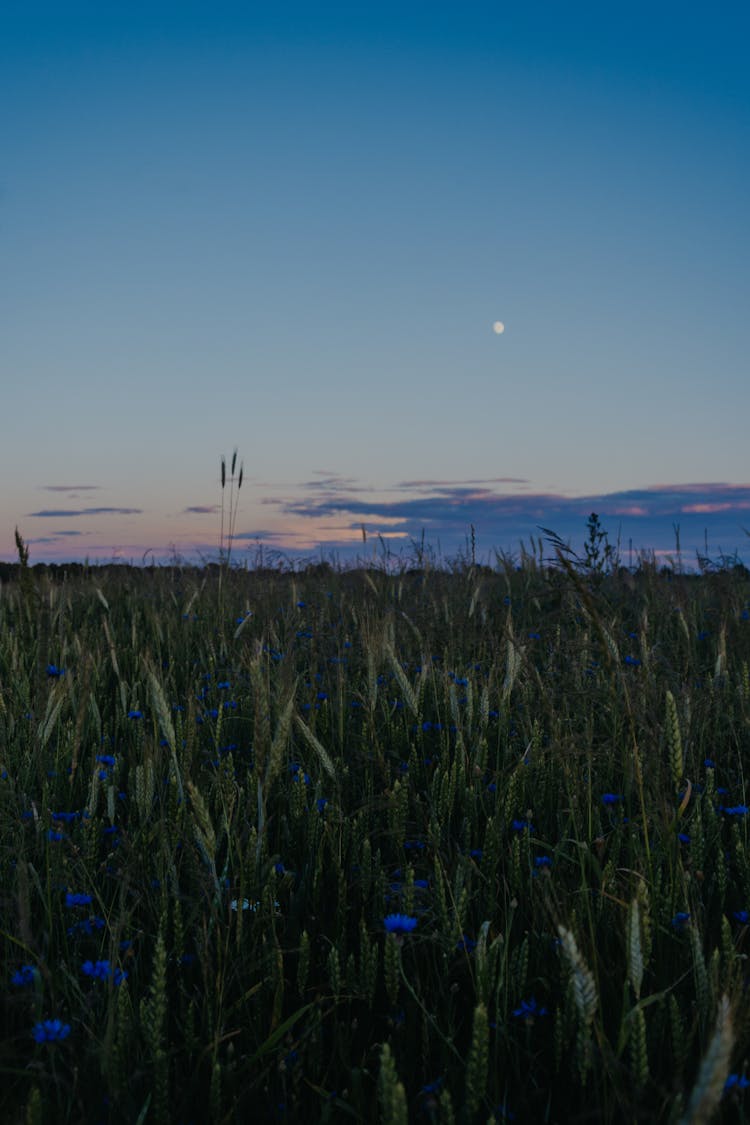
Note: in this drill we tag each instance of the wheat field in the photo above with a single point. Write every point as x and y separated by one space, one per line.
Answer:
441 845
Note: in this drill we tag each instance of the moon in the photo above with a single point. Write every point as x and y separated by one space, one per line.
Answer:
498 327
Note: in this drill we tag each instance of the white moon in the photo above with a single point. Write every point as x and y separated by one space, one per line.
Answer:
498 327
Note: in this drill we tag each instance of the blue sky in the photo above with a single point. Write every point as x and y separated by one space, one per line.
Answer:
290 229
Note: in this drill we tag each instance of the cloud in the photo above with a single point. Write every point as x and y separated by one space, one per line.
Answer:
335 482
630 510
202 509
432 485
70 487
444 510
714 506
68 533
65 513
711 486
263 534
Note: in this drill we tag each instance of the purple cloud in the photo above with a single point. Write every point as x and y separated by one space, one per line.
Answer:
70 487
263 534
646 518
432 485
64 513
335 482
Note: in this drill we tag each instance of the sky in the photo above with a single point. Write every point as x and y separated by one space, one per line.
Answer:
290 228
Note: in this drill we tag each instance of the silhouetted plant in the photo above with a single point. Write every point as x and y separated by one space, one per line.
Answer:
225 553
600 555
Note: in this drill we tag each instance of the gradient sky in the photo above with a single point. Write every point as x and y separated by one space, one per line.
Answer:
290 227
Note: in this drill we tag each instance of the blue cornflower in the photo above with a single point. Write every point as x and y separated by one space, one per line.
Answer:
77 898
466 944
680 920
399 924
736 810
86 926
23 976
102 970
611 798
50 1031
522 825
321 803
65 817
53 670
542 861
423 884
633 661
135 714
709 763
683 837
741 916
105 759
737 1082
54 836
97 970
527 1009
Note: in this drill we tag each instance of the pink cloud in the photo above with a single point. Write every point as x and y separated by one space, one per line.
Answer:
724 506
710 486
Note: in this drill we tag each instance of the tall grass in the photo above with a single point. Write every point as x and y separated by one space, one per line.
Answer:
433 846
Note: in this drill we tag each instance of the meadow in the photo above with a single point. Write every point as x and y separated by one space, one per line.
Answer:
450 844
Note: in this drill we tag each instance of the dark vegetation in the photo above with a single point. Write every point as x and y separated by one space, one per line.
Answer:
360 846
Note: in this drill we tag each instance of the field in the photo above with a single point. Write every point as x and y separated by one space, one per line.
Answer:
443 845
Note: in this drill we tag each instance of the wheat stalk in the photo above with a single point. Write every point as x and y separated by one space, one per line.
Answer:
317 746
714 1069
674 740
584 985
391 1093
635 954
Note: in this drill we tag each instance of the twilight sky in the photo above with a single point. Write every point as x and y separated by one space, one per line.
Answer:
290 228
